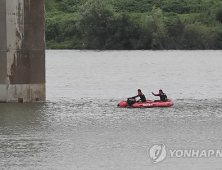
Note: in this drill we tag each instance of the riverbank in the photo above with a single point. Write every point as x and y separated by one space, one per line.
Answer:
134 25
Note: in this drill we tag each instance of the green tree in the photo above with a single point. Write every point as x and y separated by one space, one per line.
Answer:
94 23
175 34
218 38
160 31
126 34
219 15
52 30
47 5
147 32
70 5
196 36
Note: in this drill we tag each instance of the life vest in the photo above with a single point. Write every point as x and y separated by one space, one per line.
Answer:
142 97
163 97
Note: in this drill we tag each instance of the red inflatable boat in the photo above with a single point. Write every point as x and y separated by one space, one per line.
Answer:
147 104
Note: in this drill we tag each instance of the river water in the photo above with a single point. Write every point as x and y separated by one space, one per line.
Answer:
80 126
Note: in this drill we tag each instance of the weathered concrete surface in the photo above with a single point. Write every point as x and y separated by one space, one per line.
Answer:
22 50
3 51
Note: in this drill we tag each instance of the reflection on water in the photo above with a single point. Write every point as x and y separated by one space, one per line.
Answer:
80 127
26 115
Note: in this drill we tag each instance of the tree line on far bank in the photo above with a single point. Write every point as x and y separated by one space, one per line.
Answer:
134 25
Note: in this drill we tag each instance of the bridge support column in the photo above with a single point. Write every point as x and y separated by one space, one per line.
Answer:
22 50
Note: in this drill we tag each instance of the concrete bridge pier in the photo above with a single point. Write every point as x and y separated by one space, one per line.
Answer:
22 50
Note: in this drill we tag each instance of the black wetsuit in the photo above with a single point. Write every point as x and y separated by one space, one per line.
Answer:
142 97
163 96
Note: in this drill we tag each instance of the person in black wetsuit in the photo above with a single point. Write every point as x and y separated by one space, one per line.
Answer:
141 95
163 96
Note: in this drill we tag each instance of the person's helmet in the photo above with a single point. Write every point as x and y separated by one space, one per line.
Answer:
161 90
139 90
